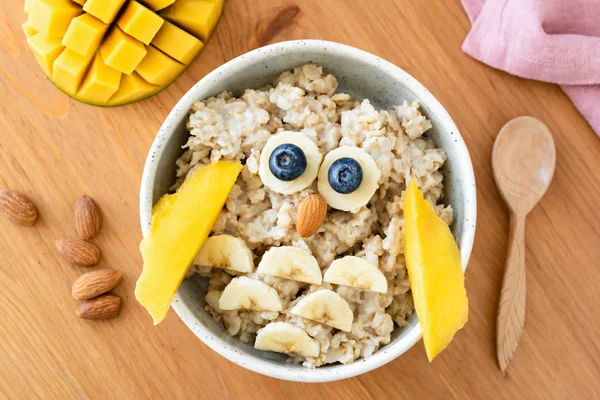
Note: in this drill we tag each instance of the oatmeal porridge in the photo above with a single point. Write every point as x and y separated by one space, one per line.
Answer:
303 119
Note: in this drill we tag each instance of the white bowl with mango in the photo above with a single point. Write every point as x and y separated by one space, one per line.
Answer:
185 230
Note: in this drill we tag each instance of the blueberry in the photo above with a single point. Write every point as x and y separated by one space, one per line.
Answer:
345 175
287 162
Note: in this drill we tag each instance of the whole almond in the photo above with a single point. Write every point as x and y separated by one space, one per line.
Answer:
18 207
88 218
311 214
78 252
106 306
95 283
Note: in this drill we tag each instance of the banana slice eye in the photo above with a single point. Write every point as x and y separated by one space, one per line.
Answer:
348 178
289 162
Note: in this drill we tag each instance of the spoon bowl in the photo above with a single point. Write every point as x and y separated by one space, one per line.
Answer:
523 161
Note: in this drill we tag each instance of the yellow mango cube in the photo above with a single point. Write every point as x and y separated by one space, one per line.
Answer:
158 4
158 68
122 52
435 272
219 4
133 87
52 17
139 22
45 50
68 70
80 2
104 10
27 6
198 17
177 43
28 29
84 34
100 83
181 222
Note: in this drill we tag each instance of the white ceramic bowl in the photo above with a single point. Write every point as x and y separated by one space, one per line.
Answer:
361 74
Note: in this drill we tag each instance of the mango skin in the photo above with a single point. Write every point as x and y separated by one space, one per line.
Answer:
435 272
181 223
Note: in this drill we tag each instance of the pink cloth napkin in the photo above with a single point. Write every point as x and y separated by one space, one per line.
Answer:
555 41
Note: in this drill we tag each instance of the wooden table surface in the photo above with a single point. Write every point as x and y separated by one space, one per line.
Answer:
54 149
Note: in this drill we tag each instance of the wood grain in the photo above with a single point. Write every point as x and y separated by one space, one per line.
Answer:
54 149
511 308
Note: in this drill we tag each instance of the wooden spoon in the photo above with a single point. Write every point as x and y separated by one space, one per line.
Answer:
523 161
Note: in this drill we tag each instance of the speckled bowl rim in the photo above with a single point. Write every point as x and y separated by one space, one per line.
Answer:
180 111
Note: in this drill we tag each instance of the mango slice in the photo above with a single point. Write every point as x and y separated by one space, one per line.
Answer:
195 16
100 83
68 70
28 29
158 4
177 43
158 68
129 36
45 50
122 52
104 10
84 34
435 272
133 87
52 17
181 222
139 22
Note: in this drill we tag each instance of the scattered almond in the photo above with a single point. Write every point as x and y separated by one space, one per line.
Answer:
104 307
311 214
18 207
88 218
78 252
95 283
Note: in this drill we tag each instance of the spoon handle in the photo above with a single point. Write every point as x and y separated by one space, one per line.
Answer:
511 309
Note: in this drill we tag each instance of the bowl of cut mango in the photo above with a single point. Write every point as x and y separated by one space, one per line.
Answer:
115 52
320 129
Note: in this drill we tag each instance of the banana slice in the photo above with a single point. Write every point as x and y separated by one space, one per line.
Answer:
370 179
248 294
291 263
225 251
282 337
356 272
326 307
313 160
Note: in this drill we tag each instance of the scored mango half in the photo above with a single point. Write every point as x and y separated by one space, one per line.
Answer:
181 223
85 46
435 272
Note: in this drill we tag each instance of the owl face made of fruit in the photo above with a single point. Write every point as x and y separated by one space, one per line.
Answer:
347 178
